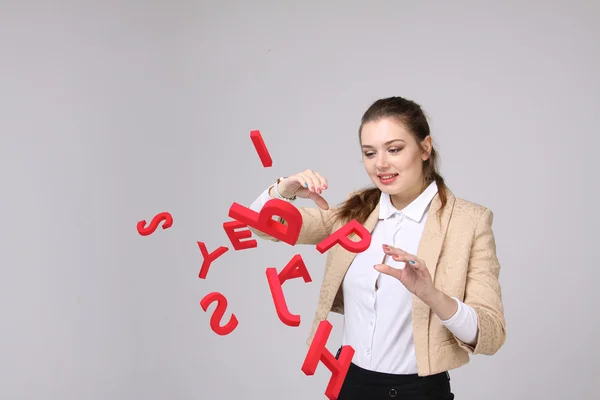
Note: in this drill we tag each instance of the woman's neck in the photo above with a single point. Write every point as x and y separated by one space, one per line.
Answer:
402 200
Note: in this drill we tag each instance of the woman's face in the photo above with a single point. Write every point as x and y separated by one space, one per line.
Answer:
392 157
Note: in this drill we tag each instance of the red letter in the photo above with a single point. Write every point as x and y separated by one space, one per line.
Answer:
219 312
264 222
294 269
261 149
235 237
318 352
164 216
209 258
341 236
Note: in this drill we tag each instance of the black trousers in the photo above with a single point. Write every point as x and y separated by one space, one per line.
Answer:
362 384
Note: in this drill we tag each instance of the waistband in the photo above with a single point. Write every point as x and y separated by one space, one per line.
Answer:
384 378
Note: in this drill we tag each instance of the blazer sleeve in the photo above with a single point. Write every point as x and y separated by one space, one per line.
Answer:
483 291
317 224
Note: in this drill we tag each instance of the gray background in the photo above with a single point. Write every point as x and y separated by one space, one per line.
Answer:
115 111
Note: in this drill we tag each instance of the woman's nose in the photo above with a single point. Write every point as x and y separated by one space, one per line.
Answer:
381 163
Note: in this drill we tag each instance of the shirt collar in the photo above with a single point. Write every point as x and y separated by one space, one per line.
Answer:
415 210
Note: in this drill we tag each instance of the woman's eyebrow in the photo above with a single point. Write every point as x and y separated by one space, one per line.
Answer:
388 142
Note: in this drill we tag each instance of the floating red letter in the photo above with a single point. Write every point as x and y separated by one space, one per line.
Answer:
209 258
261 148
294 269
218 314
264 222
341 236
235 237
318 352
164 216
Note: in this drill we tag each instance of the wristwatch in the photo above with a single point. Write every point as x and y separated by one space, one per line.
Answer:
276 190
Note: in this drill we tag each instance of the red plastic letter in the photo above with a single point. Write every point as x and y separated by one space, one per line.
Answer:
163 216
341 236
261 148
235 237
218 314
318 352
209 258
264 221
294 269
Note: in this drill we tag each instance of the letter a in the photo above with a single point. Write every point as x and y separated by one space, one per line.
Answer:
294 269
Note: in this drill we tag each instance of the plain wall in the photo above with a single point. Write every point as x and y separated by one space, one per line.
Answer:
112 112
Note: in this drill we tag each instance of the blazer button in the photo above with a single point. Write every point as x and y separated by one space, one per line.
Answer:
393 392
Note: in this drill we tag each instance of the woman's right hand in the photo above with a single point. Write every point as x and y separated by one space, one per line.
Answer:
307 185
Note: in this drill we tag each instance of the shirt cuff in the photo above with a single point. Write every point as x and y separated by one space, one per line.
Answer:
463 324
260 201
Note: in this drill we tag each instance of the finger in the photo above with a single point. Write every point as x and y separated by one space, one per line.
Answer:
314 181
298 178
396 251
409 258
390 250
308 180
386 269
403 260
319 200
323 181
415 263
304 182
420 267
401 257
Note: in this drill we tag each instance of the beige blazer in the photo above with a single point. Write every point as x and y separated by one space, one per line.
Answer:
460 254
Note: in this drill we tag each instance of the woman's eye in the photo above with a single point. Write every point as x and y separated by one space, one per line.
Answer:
368 154
395 150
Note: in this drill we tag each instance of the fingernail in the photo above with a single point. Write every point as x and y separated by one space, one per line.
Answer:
306 185
411 261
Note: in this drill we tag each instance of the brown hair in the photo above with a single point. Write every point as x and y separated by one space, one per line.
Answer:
360 205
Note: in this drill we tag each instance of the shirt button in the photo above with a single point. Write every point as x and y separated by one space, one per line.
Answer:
370 323
368 351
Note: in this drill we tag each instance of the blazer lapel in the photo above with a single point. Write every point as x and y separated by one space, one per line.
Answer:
430 245
429 250
434 232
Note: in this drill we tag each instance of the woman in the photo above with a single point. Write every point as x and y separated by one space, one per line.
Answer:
425 294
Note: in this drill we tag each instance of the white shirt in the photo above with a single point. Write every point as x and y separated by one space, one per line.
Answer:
378 323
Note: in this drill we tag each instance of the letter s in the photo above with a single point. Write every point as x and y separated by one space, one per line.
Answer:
218 314
163 216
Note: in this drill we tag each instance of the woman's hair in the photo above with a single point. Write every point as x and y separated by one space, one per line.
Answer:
360 205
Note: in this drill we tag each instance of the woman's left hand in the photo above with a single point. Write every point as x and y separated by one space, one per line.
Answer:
415 275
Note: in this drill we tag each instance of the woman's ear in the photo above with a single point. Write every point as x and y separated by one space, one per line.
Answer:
426 147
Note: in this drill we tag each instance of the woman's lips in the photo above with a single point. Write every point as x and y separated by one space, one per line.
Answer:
387 179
